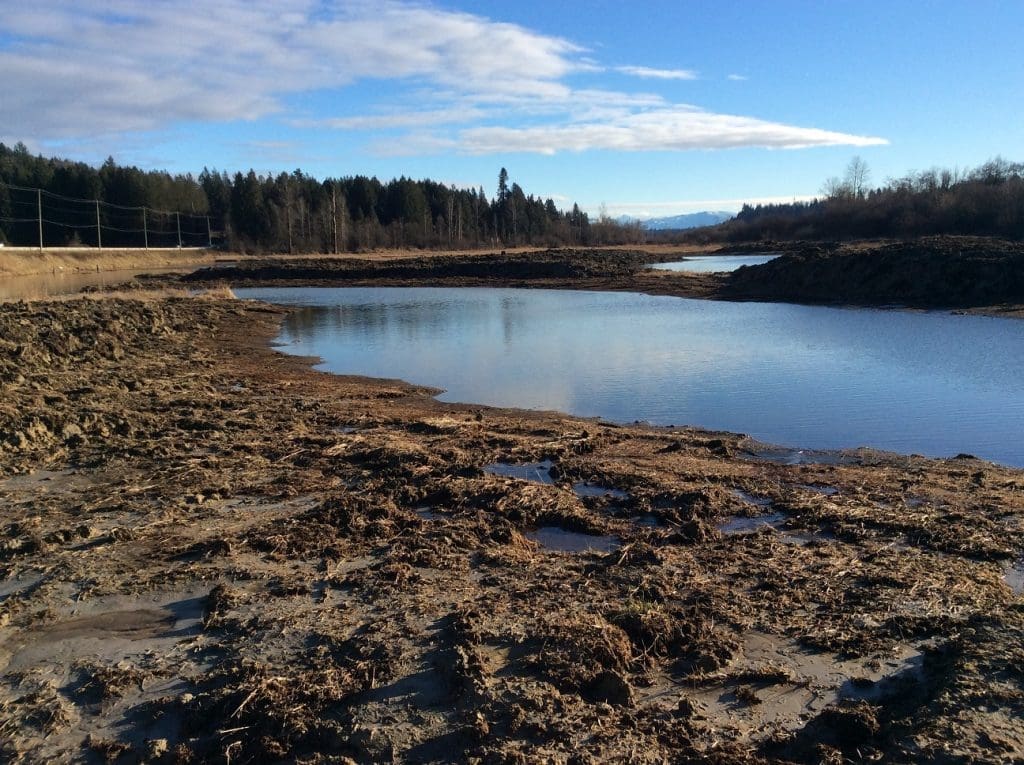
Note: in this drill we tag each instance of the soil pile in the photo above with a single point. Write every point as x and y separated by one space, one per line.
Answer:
464 270
940 272
211 553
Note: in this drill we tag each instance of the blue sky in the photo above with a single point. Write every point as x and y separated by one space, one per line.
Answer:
648 108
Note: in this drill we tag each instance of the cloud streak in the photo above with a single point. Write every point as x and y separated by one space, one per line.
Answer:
657 74
78 70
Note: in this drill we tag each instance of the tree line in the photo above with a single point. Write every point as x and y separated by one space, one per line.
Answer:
983 201
295 212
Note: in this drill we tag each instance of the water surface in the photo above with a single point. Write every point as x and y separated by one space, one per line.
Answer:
802 376
703 264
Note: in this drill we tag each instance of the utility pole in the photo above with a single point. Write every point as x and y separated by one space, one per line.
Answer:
177 216
39 204
99 234
209 234
145 229
334 216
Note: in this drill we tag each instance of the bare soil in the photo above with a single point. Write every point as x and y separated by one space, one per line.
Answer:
211 553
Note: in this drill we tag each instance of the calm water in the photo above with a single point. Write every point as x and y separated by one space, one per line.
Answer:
703 264
802 376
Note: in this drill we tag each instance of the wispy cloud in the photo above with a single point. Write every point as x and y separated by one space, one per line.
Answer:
104 71
736 77
664 129
657 74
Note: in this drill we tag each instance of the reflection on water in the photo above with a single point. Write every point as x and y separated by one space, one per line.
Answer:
705 264
803 376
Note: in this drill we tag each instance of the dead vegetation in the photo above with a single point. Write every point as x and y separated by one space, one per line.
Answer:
211 553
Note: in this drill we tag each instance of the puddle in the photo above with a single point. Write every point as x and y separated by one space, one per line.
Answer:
347 430
110 628
537 472
648 520
585 489
752 499
786 456
817 680
805 537
1013 575
560 540
427 513
736 526
817 488
739 525
905 669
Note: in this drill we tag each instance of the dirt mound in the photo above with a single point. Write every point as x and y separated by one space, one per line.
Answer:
530 266
937 272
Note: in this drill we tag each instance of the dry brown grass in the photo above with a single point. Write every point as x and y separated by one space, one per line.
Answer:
24 261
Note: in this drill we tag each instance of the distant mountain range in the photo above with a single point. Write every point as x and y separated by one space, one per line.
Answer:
689 220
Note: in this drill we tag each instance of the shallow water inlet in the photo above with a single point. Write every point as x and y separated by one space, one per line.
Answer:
536 472
558 539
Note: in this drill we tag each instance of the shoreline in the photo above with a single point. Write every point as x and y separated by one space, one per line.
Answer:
239 554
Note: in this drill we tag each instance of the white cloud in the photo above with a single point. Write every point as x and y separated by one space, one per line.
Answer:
666 129
657 74
76 67
92 71
736 77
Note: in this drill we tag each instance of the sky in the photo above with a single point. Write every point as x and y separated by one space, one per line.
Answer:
644 109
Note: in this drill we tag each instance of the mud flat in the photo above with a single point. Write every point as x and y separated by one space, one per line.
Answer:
210 552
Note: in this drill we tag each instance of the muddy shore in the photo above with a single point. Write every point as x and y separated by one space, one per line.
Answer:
210 552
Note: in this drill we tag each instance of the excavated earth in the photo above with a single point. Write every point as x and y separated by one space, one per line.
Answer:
932 272
211 553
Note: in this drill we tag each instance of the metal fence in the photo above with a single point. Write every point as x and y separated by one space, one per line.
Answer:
32 217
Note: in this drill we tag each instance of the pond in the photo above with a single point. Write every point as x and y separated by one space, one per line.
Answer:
704 264
802 376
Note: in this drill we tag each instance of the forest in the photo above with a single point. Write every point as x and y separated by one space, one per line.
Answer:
983 201
71 203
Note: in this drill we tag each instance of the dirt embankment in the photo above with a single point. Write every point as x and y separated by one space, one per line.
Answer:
536 267
25 261
211 553
939 272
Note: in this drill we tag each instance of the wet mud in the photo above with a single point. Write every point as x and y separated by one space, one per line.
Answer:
211 553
